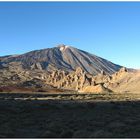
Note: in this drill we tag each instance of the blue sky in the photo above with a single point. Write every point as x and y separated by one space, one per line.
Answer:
108 29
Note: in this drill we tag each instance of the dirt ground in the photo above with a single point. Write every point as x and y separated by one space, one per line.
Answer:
69 116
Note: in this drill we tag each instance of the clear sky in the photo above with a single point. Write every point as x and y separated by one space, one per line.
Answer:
108 29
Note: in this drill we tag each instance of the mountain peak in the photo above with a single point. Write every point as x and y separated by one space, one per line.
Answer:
63 47
63 57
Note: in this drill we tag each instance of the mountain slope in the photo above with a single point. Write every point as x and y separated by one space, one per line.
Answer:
61 57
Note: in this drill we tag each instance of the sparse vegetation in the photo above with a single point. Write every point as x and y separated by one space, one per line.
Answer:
85 116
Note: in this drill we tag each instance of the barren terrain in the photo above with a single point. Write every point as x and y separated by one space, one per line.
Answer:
63 115
64 92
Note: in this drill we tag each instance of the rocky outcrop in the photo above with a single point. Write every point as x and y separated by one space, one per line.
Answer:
95 89
77 80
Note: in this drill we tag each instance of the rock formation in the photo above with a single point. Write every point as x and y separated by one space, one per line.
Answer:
77 80
66 68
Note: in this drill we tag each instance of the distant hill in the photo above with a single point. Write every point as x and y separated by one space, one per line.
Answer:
61 57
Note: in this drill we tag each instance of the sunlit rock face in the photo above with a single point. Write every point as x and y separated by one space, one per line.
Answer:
14 77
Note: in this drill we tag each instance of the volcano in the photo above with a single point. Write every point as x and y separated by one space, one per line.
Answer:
62 57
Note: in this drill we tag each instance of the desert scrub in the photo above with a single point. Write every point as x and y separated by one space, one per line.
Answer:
90 105
81 134
66 133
